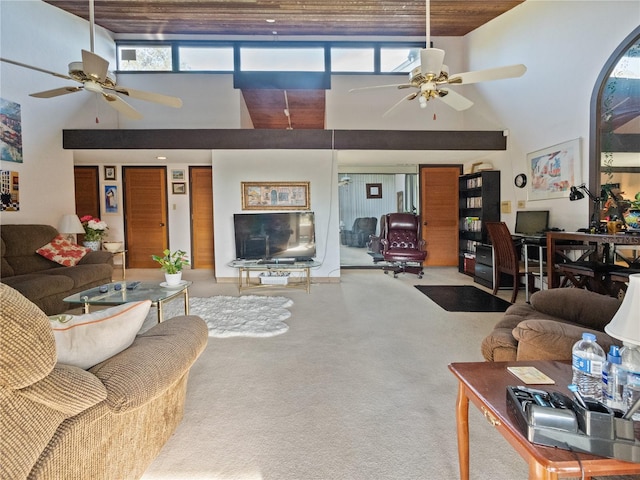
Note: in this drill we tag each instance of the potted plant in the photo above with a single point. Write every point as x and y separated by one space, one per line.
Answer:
94 231
172 263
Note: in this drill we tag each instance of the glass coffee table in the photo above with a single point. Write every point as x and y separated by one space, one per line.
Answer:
116 294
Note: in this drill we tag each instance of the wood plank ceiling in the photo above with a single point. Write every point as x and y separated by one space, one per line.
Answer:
313 18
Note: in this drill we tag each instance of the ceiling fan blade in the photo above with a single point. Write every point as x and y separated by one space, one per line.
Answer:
167 100
94 66
411 96
121 106
431 60
454 99
37 69
56 92
397 85
498 73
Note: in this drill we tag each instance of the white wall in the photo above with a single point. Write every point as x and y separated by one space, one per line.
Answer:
563 43
231 167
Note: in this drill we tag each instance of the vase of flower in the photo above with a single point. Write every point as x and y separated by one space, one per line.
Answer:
172 263
93 245
94 231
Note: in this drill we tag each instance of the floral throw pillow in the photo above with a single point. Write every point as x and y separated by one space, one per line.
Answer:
62 251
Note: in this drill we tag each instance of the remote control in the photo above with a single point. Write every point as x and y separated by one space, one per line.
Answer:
132 285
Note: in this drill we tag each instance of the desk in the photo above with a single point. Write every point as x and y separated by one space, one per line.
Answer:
485 383
245 267
596 245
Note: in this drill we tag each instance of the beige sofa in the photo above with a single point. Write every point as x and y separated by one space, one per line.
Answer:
547 328
42 281
110 422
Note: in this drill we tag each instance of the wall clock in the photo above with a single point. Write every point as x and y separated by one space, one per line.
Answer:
520 181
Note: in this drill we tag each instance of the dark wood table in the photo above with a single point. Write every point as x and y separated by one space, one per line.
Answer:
485 383
596 245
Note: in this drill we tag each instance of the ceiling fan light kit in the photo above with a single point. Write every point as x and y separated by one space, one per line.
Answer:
94 75
433 75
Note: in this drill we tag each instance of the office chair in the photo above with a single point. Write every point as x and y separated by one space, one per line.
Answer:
403 246
505 259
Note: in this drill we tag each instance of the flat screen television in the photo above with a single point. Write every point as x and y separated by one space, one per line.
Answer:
531 222
266 236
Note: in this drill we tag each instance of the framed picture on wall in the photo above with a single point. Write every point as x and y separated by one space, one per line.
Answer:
553 171
177 175
110 199
109 172
179 188
374 190
275 195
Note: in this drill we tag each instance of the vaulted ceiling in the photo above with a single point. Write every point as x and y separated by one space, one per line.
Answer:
312 18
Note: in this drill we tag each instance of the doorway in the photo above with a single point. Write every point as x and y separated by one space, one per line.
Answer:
145 214
363 198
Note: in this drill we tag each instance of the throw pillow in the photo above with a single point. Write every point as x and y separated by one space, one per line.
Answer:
62 251
86 340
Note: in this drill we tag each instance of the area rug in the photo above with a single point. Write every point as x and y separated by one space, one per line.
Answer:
244 316
463 298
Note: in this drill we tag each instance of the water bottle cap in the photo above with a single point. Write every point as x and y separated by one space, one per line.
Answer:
589 336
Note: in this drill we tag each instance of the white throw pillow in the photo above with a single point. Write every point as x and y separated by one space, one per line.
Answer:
85 340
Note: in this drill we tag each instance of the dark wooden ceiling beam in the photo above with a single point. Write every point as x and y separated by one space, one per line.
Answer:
212 139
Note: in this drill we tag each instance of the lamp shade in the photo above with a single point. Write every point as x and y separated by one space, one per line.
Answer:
70 223
625 324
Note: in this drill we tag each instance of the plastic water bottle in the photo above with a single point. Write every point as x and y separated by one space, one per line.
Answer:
587 361
630 355
613 380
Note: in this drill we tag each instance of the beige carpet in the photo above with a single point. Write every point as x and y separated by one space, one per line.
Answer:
358 388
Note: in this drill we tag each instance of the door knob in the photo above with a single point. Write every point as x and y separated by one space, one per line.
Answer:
162 224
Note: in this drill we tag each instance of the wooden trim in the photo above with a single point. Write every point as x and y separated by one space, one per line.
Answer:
212 139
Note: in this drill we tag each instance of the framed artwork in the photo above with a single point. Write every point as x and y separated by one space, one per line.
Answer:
177 175
10 191
275 196
553 170
179 188
109 173
110 199
374 190
11 128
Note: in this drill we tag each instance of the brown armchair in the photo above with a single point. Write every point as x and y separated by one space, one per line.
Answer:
403 247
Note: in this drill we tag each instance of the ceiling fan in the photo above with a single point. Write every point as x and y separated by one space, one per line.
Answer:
432 77
94 75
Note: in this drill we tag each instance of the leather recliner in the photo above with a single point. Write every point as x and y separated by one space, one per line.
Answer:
403 247
359 234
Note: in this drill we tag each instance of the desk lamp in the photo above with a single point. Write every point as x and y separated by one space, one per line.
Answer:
70 225
576 194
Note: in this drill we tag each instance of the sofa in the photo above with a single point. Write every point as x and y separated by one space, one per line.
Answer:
547 328
108 422
43 281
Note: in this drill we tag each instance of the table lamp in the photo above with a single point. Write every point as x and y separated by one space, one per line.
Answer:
625 324
70 225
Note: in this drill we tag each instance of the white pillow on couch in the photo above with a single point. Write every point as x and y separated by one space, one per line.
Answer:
85 340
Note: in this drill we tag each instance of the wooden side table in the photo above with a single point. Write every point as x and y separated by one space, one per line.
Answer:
484 384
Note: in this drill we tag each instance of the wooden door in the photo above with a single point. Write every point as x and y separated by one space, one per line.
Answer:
145 210
86 183
439 210
201 188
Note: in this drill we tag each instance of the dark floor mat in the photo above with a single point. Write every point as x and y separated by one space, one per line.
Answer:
463 298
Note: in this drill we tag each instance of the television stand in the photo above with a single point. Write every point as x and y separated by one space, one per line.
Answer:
274 274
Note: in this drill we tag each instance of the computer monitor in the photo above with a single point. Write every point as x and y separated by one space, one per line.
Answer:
530 222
